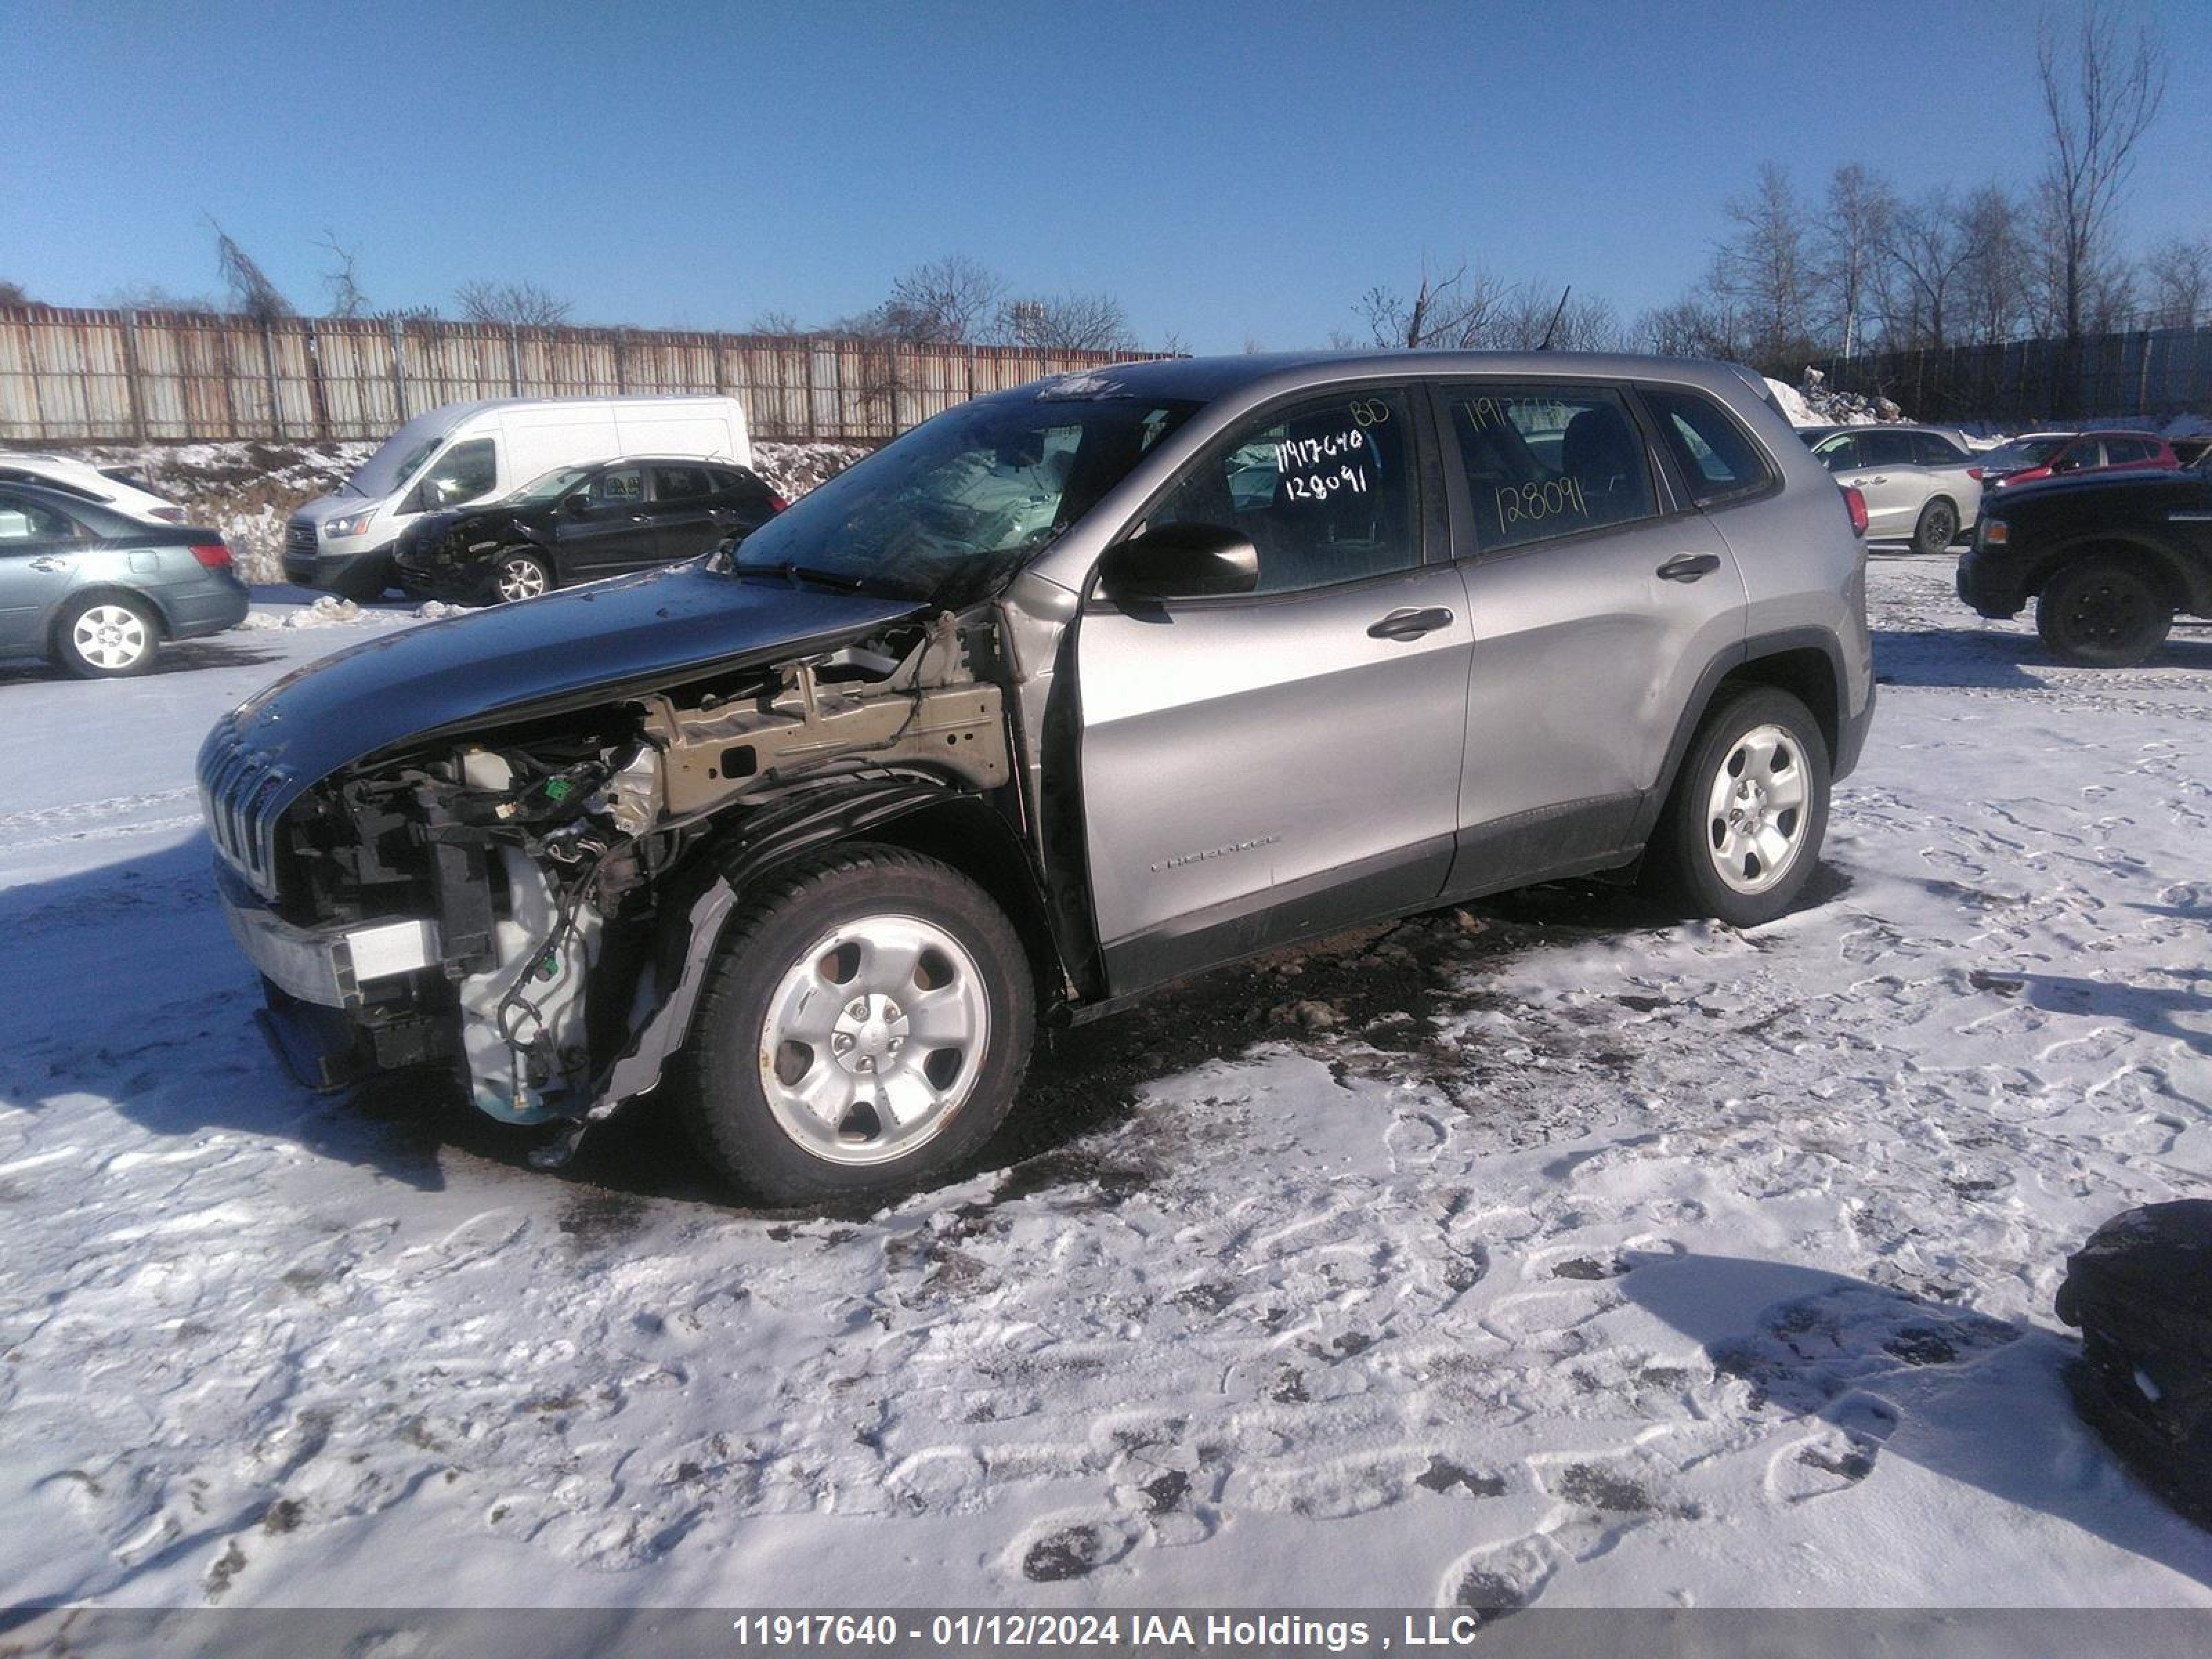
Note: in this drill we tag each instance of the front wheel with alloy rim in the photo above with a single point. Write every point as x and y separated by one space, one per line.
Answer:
1742 834
106 638
2103 613
521 576
865 1022
1937 529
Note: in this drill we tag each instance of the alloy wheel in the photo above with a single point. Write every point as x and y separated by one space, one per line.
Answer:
521 579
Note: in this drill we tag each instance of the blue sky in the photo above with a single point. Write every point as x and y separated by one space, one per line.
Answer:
1227 171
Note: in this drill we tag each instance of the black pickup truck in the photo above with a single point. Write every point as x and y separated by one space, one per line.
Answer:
2109 559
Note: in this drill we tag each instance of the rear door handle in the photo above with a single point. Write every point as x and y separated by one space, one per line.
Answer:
1688 567
1410 624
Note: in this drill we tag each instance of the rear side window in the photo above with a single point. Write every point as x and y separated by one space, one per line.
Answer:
1546 461
1932 451
1716 456
1886 449
2118 450
680 483
22 520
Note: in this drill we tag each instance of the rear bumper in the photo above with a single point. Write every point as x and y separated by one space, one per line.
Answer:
326 966
206 608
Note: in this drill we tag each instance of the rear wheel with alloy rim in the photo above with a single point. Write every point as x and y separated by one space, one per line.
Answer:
2103 613
521 576
107 638
864 1025
1937 529
1742 834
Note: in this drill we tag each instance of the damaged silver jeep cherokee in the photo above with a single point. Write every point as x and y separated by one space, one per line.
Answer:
1069 692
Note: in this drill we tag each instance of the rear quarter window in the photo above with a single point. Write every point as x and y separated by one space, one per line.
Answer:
1718 459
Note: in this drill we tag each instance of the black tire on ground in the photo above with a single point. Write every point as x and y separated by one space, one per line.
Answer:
2103 612
1684 860
1938 527
107 636
519 573
720 1078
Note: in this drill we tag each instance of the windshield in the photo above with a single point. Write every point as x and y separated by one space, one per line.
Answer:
559 481
2024 453
400 457
948 512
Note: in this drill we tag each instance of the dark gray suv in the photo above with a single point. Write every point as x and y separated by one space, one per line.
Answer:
1069 692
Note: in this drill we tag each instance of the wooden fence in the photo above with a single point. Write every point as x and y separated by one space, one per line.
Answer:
146 376
2148 376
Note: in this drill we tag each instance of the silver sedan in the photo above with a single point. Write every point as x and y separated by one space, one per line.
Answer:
1919 484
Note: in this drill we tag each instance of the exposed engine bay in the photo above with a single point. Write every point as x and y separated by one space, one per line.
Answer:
525 901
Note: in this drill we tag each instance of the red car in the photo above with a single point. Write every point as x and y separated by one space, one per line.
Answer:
2044 455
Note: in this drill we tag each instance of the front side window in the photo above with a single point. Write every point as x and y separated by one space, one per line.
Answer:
462 473
1546 461
1718 457
680 483
620 486
952 509
1324 489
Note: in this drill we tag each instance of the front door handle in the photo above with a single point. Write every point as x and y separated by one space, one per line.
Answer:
48 563
1688 567
1410 624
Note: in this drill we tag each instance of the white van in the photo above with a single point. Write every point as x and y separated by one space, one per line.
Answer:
478 452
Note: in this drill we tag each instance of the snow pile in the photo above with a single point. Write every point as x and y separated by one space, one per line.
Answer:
1814 404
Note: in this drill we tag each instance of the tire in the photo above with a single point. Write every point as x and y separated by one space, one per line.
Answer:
2103 612
808 1074
1709 860
517 575
106 637
1938 527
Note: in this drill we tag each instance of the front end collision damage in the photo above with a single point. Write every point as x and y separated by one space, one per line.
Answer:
533 902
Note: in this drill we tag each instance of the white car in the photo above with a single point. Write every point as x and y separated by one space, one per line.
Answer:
1921 485
111 488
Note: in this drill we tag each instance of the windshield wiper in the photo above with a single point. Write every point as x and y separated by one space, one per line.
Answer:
794 573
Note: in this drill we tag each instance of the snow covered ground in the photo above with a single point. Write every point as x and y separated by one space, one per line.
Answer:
1541 1251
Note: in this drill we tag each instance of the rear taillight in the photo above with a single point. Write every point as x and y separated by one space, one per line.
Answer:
1975 473
780 503
1855 504
214 555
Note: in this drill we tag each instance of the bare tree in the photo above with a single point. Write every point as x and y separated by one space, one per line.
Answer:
1763 272
1070 322
251 294
1695 326
152 297
1993 289
1845 251
947 302
2099 97
774 321
526 303
2178 283
1539 312
1457 311
1927 250
346 298
12 294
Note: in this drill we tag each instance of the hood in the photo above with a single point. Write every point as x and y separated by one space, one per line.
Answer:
2139 486
326 507
628 634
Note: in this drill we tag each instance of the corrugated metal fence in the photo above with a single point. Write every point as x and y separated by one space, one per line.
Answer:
78 376
2152 374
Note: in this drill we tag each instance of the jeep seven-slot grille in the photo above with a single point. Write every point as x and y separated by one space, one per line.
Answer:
236 784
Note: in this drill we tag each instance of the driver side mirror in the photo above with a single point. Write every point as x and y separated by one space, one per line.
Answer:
1181 562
